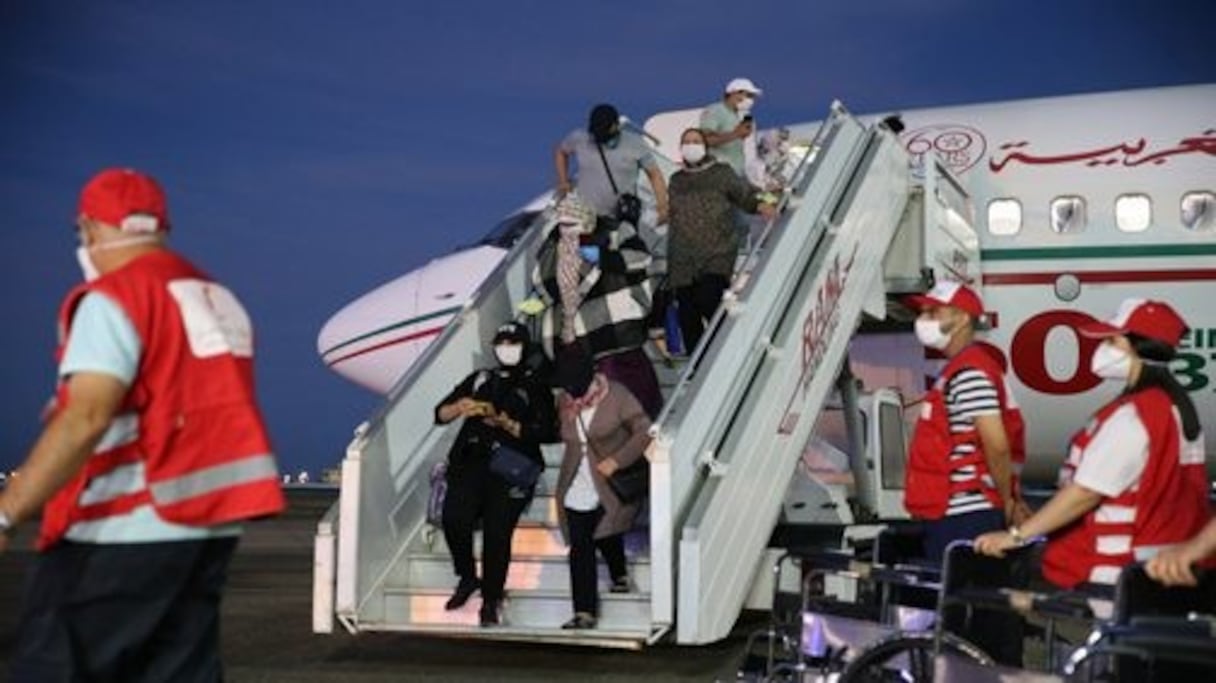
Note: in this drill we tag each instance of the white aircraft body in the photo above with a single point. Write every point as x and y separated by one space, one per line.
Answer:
1080 201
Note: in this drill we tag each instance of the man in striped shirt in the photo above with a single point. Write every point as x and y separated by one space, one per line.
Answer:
959 472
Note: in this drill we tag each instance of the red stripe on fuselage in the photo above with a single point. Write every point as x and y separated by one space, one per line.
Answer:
1102 276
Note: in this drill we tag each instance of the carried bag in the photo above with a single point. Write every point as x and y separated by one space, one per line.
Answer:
630 484
439 491
628 205
516 468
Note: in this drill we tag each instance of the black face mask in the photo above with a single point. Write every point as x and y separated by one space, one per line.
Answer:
607 137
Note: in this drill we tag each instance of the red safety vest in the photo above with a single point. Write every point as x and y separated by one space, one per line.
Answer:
927 480
190 415
1167 505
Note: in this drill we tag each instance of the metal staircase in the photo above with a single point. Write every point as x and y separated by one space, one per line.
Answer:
738 414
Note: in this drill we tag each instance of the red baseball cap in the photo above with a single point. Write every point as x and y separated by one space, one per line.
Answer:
126 199
1144 317
948 293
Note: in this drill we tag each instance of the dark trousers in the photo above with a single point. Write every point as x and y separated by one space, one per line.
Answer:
486 497
1000 634
632 368
697 303
130 612
583 544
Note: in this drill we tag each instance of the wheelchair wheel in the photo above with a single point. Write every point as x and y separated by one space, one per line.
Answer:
907 657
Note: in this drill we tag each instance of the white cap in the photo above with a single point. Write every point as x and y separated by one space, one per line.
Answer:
742 85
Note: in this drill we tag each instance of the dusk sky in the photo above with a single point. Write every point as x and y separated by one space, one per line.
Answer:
313 150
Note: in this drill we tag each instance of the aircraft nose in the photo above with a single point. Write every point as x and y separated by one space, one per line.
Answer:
366 341
374 339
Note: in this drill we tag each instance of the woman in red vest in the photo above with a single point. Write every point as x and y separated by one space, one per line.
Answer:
1134 482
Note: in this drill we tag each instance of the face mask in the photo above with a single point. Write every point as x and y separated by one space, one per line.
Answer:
613 140
1111 362
86 264
693 153
744 106
85 258
509 354
929 332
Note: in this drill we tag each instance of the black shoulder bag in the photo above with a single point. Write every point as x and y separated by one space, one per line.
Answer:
628 206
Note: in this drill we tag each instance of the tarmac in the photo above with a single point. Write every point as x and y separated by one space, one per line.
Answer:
267 627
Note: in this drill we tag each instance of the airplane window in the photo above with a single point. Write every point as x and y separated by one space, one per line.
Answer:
1068 214
1004 216
1199 210
508 232
1133 212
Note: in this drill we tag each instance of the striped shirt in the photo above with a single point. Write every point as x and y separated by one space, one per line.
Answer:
969 394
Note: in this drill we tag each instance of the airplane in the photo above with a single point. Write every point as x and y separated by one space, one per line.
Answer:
1080 201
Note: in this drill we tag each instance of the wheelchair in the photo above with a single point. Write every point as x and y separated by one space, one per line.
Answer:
813 635
1139 631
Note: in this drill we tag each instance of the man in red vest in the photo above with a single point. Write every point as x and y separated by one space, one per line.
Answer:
960 466
153 455
959 476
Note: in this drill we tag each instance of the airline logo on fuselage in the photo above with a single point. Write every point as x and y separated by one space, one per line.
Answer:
1129 154
1194 365
959 147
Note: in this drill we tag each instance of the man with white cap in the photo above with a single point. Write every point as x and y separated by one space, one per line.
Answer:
728 122
959 479
152 456
970 432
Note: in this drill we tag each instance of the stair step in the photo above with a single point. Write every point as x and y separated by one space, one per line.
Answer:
530 538
529 609
542 511
434 570
631 639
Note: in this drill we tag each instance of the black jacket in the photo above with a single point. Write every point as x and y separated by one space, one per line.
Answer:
519 393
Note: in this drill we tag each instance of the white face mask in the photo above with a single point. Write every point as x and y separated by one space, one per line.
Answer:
693 153
929 332
1111 362
87 268
509 354
744 106
84 256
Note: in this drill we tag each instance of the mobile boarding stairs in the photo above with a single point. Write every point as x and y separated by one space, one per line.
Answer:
857 225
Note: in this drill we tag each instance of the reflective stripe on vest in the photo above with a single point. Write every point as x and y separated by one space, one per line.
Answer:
110 478
1166 505
215 478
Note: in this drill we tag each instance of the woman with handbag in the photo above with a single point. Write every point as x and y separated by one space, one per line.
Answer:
494 463
602 479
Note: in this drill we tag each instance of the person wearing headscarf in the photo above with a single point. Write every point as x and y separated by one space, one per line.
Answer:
508 404
703 242
593 279
604 429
